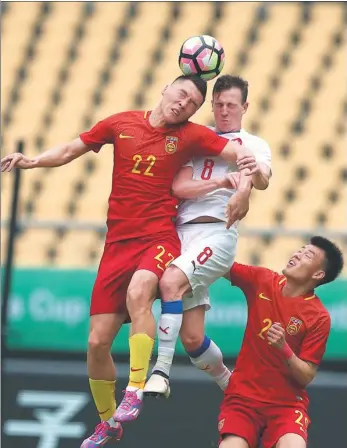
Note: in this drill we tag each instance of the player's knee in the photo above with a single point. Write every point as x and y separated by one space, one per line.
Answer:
232 441
174 284
99 344
291 440
139 298
191 341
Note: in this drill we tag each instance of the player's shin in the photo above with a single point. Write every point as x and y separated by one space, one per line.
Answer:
141 348
209 358
104 397
168 330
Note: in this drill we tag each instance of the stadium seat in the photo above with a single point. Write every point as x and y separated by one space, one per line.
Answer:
137 53
72 64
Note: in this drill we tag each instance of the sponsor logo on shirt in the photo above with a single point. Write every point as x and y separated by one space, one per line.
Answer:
293 326
171 144
262 296
121 135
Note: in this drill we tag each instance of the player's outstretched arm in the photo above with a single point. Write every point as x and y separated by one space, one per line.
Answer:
233 152
54 157
261 178
261 174
238 204
185 187
302 371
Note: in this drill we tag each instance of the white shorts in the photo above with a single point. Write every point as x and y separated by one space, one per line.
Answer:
208 252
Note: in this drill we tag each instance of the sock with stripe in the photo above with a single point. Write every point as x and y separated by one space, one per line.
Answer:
168 330
209 358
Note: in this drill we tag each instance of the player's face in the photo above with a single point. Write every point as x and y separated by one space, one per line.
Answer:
180 101
306 264
228 110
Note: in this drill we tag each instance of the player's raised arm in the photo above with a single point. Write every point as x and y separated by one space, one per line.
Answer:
185 187
207 142
54 157
233 152
259 170
65 153
238 204
262 168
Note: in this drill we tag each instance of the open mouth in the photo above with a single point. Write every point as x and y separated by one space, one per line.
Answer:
175 112
291 263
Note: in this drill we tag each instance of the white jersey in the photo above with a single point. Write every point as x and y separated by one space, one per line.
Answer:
204 168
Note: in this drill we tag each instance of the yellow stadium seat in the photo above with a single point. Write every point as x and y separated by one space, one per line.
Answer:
308 150
20 16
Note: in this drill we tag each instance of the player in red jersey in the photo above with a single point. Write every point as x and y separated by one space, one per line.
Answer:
149 149
284 342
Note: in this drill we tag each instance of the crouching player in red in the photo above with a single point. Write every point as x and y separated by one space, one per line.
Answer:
284 342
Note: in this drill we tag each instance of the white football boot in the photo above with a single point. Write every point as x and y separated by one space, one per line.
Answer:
157 386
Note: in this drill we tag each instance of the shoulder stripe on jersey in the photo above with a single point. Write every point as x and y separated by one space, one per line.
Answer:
311 297
282 280
145 115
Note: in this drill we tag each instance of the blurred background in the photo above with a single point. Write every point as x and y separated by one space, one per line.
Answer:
64 66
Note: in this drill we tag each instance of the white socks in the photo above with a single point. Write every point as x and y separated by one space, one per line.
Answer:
168 330
211 361
207 357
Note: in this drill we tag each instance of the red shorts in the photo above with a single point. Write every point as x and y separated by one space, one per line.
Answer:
254 420
119 262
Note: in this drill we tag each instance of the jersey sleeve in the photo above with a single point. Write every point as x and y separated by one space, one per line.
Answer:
247 278
207 142
315 341
263 153
100 134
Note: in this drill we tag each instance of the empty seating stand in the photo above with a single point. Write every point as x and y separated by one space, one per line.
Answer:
74 63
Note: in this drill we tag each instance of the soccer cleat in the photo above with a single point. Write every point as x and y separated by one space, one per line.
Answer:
103 433
130 406
157 386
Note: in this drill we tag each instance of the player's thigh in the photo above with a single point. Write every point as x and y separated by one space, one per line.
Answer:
291 441
159 253
193 328
142 289
231 441
116 268
209 258
103 329
161 250
285 426
238 417
174 284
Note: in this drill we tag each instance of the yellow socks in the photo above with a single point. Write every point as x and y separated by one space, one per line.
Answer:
104 397
141 347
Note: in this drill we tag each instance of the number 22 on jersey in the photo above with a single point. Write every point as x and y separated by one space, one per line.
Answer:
139 162
268 323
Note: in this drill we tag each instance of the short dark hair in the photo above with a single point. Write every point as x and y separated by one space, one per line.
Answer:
199 83
226 82
333 258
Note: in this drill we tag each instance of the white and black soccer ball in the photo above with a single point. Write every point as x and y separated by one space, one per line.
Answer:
203 56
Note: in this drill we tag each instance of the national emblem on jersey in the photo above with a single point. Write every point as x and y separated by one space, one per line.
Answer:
221 424
293 326
171 144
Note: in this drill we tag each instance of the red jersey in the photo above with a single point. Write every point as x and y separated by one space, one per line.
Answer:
260 372
146 160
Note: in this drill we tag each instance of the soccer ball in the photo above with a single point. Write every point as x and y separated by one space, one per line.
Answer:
202 56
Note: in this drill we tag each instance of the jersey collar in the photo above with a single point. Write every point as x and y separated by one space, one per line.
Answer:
308 296
230 132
